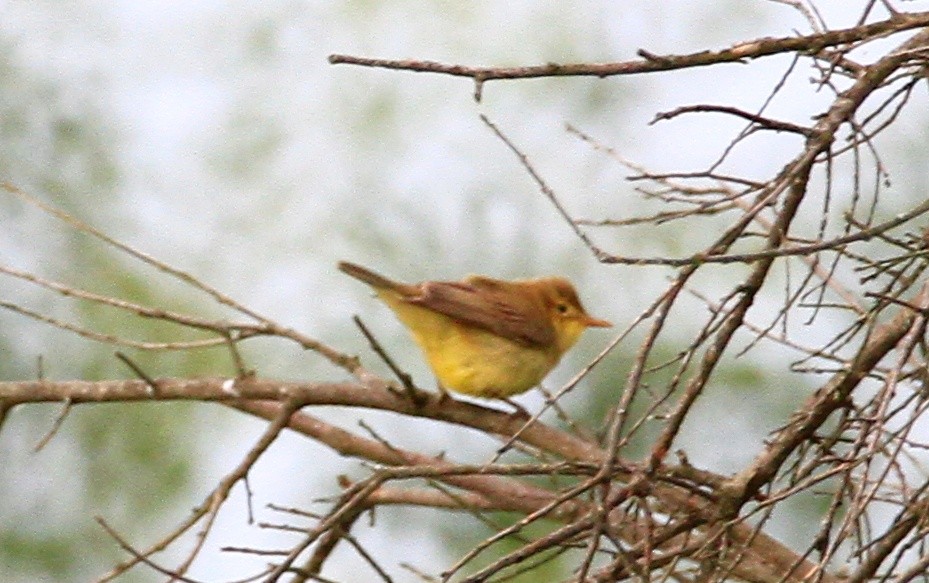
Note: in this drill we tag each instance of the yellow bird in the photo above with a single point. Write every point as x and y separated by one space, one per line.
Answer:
486 337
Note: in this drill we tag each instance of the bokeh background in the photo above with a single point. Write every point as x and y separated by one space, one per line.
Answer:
217 137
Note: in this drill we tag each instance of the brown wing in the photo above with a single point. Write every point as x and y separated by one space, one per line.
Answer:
486 303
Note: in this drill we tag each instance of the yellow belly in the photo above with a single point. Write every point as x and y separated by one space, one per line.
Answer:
471 360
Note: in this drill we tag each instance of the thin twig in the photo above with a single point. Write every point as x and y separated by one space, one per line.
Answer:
405 379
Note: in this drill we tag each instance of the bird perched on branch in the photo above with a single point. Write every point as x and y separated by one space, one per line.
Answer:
486 337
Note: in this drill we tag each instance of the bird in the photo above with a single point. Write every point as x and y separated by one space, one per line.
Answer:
485 337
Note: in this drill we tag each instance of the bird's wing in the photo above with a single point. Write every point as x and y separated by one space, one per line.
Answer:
486 303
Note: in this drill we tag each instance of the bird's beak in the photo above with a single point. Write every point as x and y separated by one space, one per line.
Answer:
592 322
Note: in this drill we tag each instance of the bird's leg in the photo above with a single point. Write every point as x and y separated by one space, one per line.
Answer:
520 410
444 396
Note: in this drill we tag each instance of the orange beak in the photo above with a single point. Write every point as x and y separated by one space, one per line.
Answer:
592 322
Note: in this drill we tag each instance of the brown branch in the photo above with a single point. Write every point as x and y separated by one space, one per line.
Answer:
502 492
909 519
140 557
786 251
210 506
765 556
652 63
229 332
830 397
796 175
56 426
543 187
760 121
647 516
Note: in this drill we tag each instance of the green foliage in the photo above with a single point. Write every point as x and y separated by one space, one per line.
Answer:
39 555
136 457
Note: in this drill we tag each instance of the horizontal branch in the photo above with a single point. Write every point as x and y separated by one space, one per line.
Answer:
265 397
652 63
786 251
233 390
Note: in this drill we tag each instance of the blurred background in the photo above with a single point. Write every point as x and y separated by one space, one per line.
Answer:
217 138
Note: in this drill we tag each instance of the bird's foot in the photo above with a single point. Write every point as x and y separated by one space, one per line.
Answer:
520 410
444 396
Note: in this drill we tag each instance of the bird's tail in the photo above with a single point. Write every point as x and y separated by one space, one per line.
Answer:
371 278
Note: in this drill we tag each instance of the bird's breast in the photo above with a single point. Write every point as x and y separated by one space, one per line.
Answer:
472 360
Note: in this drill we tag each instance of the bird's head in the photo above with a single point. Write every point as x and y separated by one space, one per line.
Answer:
566 311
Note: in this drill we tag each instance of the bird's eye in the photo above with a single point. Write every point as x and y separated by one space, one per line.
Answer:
562 308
